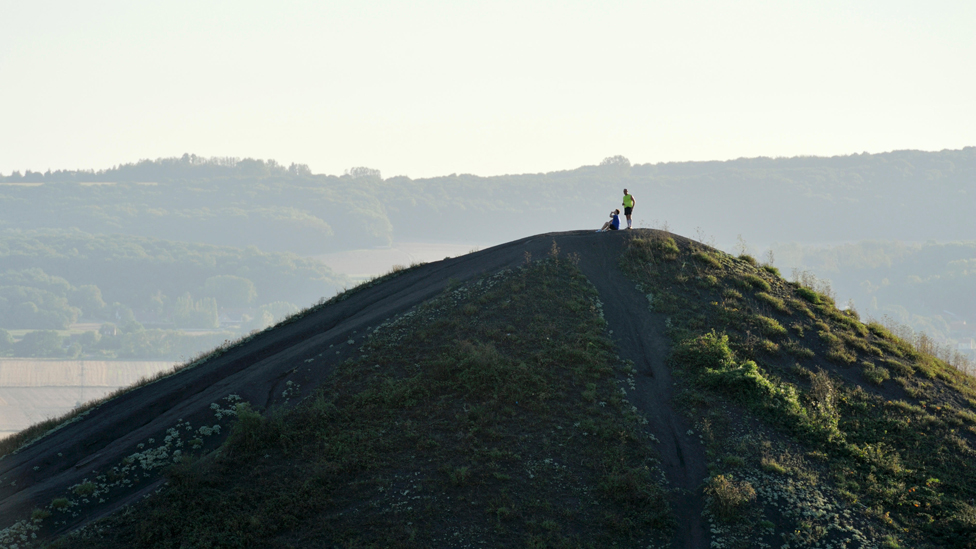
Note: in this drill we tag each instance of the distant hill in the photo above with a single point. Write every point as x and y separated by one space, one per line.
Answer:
902 195
50 279
142 272
570 389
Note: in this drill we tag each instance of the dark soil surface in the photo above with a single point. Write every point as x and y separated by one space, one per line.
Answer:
260 371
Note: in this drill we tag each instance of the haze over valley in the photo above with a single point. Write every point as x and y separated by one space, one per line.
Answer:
328 274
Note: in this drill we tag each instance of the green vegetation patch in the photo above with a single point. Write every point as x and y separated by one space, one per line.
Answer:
754 281
769 326
749 259
502 424
874 374
707 259
814 446
796 349
776 302
644 250
836 350
808 294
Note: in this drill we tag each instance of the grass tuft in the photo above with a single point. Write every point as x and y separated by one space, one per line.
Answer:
727 496
808 294
776 302
707 259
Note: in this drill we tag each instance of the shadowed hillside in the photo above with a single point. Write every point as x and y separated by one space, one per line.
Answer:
564 390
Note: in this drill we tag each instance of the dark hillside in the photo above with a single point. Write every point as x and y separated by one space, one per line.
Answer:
491 414
567 390
809 417
118 449
926 285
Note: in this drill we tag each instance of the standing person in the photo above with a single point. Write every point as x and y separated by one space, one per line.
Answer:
629 208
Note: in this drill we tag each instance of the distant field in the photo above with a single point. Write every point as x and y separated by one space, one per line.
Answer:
74 329
83 183
33 390
365 263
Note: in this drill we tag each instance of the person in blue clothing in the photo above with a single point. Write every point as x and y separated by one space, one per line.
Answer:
613 224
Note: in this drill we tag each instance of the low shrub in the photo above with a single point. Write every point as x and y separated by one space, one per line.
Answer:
709 281
707 259
822 397
874 374
773 466
734 461
749 259
459 476
891 348
768 346
667 248
808 294
757 282
84 489
703 352
727 496
836 350
841 355
928 366
847 318
248 432
768 326
889 341
880 331
744 380
800 307
776 302
645 250
859 344
633 485
732 294
794 348
900 368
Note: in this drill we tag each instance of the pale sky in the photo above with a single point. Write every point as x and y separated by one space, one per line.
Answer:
424 88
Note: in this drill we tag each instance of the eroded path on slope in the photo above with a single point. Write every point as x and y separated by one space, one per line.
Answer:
640 336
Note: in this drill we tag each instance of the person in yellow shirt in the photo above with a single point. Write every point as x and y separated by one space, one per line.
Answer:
629 208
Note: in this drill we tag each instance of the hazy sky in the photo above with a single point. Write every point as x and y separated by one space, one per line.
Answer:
424 88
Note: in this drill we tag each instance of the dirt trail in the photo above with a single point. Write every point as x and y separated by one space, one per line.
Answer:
640 337
306 350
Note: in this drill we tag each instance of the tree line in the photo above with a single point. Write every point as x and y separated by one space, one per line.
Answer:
137 343
147 291
902 195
